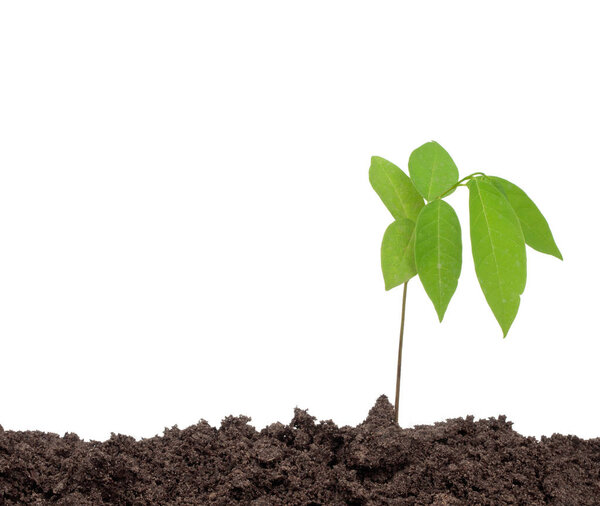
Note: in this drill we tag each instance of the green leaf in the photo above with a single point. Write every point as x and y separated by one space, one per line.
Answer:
535 227
438 253
395 189
498 249
398 253
432 170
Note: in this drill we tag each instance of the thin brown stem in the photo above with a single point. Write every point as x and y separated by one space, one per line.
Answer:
396 405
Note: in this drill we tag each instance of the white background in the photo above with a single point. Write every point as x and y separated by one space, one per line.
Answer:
187 228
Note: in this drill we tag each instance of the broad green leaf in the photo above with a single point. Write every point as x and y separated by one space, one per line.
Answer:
395 189
535 227
432 170
498 249
398 253
438 252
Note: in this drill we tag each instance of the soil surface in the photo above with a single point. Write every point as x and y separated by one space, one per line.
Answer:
305 463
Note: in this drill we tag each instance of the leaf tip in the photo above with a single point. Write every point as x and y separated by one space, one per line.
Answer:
390 283
375 160
440 312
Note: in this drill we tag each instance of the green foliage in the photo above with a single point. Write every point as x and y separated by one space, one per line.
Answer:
438 252
426 239
432 170
498 248
534 225
402 199
395 189
398 253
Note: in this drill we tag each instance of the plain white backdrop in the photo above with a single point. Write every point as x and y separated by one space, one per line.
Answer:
187 228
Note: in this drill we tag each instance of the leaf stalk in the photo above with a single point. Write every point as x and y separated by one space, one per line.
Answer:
459 183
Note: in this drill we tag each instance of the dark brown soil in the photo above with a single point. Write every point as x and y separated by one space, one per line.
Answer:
456 462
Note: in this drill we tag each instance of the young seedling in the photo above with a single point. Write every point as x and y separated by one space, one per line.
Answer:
425 236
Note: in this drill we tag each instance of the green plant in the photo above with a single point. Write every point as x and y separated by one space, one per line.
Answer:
425 238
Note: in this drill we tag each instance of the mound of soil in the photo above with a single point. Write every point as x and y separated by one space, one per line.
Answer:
456 462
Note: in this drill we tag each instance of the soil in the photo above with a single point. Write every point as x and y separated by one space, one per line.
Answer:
460 461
